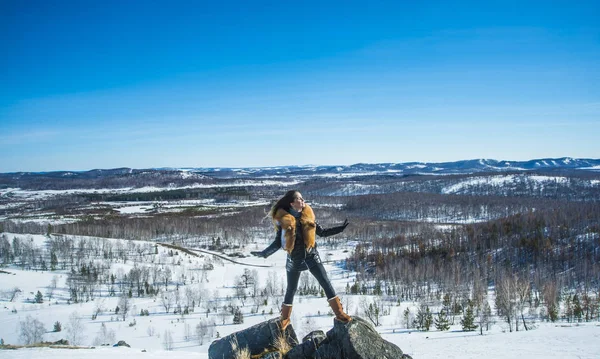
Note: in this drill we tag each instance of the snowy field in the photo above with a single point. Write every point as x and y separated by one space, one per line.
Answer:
218 287
547 341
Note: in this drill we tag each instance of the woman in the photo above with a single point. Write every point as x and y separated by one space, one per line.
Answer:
296 227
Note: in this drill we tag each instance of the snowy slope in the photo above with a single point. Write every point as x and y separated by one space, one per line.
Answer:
310 313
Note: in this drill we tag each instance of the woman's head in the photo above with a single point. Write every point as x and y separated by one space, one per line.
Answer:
291 199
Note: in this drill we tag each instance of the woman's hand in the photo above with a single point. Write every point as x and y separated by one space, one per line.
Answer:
345 224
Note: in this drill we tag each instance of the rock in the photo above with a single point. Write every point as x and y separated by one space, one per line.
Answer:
61 342
258 339
308 347
272 355
357 339
122 343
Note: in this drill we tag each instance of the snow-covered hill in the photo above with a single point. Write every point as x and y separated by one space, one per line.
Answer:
180 177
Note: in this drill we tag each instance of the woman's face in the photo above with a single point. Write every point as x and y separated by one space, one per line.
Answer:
298 203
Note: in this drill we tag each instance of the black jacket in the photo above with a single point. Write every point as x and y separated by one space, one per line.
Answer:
301 259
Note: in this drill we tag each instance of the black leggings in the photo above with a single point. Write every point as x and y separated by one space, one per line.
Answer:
318 272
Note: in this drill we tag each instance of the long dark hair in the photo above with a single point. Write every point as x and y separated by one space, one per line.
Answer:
283 203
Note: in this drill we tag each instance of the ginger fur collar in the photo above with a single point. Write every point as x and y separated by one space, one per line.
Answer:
288 223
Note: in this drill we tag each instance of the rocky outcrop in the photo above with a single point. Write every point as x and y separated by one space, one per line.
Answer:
260 339
357 339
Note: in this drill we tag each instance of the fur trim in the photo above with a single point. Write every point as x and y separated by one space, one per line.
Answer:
288 222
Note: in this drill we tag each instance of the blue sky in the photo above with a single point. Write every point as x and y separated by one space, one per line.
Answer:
90 84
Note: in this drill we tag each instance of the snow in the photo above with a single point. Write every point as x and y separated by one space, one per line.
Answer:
547 340
345 175
492 180
32 194
505 180
541 179
134 209
445 227
48 220
355 189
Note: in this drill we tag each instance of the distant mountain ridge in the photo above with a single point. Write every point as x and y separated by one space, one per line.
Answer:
406 168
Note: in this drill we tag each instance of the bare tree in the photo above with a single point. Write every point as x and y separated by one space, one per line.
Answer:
75 329
550 296
240 289
523 292
373 310
168 340
104 336
257 301
99 306
166 299
124 305
187 332
505 299
14 293
224 314
52 287
201 331
166 276
31 330
151 331
484 316
407 318
272 286
190 295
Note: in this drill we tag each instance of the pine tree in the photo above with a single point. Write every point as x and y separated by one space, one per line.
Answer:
568 309
53 261
577 309
468 320
39 298
238 317
441 321
428 319
377 289
424 319
447 303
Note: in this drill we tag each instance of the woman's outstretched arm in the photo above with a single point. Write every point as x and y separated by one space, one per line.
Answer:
326 232
272 248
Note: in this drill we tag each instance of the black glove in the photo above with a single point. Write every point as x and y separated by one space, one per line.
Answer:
258 254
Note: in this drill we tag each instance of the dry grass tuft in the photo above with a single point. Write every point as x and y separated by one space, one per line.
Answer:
239 353
282 345
243 353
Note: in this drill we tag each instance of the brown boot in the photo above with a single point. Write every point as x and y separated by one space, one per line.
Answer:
286 313
336 305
